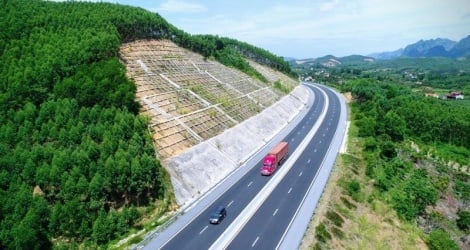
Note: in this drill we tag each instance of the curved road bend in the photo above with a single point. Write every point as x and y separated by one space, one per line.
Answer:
266 228
199 234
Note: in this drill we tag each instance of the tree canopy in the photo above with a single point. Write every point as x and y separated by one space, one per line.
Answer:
74 154
389 116
76 159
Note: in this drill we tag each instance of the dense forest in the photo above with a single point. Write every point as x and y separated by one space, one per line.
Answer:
389 117
77 162
415 148
75 159
232 53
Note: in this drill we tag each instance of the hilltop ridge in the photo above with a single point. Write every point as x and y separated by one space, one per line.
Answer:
439 47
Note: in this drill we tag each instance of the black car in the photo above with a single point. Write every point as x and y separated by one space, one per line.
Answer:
218 215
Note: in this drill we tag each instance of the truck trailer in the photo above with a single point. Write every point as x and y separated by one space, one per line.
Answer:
274 158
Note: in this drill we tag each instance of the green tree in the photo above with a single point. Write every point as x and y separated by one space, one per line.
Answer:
31 231
394 126
417 193
68 118
101 231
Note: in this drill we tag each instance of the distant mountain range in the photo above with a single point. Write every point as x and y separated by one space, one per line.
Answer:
440 47
331 61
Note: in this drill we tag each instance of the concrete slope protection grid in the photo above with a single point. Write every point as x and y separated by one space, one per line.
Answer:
198 169
235 223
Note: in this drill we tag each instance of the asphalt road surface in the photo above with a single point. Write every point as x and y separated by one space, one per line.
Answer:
269 223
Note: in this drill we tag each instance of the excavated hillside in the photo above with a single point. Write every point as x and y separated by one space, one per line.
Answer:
191 99
195 104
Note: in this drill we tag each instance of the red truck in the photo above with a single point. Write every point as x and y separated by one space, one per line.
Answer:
274 158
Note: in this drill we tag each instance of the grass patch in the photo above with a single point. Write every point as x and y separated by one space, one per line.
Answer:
136 240
335 218
322 233
283 88
337 232
347 203
317 246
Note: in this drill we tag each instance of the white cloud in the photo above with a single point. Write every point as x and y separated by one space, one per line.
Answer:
176 6
319 27
329 5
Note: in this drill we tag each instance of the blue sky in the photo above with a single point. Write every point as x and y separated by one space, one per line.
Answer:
314 28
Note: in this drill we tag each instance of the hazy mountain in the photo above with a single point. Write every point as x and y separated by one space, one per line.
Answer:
387 55
331 61
429 48
439 47
462 48
356 59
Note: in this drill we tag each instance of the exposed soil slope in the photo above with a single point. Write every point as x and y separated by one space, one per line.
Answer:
191 100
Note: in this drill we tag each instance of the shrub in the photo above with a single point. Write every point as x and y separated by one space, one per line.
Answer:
463 222
322 234
440 240
353 188
387 150
371 160
462 188
442 182
403 205
370 143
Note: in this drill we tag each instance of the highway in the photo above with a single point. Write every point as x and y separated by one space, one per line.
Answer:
268 226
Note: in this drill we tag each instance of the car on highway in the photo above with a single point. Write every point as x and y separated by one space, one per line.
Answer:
218 215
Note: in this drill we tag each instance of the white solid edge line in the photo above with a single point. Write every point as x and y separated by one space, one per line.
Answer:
188 207
308 194
230 233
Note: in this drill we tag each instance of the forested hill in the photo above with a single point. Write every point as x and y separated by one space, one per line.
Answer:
76 161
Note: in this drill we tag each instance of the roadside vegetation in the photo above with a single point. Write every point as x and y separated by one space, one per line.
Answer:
78 167
404 183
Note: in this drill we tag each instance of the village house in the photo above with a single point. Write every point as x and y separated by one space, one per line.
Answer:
456 95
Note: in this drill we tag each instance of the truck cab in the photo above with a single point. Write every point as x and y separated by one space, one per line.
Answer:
274 157
269 165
